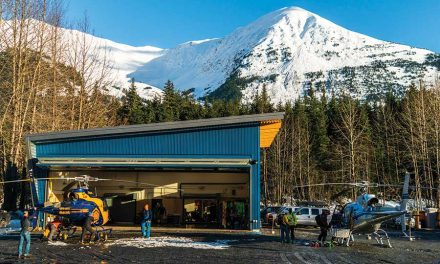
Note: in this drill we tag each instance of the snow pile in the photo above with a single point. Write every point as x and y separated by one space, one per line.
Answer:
57 243
166 241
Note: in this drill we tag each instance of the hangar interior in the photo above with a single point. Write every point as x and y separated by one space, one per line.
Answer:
194 198
200 173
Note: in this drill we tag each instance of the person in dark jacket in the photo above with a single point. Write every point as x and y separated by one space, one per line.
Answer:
87 226
146 221
322 222
25 236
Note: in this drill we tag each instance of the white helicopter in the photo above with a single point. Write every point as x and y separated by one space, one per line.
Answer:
365 215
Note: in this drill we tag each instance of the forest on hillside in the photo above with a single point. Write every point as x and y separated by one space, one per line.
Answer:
325 138
50 83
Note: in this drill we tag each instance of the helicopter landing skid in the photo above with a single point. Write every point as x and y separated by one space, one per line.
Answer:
379 238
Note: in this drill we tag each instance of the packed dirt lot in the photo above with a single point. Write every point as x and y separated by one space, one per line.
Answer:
204 246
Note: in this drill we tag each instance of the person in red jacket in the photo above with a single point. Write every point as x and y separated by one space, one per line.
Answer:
54 226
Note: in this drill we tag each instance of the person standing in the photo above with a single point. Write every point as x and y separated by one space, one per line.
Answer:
25 236
87 226
292 220
146 221
284 229
162 213
322 222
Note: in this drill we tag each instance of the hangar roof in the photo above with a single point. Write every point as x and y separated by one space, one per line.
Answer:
269 126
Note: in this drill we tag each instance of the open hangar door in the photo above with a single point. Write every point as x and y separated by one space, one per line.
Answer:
232 144
193 197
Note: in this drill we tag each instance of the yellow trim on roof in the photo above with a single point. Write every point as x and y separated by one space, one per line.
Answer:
268 130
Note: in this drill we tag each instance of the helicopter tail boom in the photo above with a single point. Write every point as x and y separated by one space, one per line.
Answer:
372 219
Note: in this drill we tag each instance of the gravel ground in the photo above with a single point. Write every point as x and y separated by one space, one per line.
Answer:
170 246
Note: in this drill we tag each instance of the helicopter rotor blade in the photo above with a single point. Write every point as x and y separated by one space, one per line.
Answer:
363 184
341 193
324 184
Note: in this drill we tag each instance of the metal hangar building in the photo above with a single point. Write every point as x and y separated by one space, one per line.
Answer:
195 173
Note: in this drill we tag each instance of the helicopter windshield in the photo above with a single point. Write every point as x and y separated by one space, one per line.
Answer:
105 206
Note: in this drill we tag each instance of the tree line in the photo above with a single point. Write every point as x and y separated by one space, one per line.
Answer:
325 139
176 105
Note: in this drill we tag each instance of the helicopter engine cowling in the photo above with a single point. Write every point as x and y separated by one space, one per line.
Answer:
367 200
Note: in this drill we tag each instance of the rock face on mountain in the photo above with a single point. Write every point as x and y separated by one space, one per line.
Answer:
288 51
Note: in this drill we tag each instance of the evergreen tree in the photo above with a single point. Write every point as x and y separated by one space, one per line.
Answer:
266 105
170 103
131 111
261 103
316 111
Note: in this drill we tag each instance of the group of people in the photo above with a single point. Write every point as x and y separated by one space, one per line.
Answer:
287 224
288 221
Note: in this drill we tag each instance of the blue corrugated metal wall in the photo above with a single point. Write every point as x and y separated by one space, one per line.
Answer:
220 142
226 142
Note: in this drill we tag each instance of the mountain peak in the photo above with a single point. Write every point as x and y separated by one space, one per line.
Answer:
287 51
292 11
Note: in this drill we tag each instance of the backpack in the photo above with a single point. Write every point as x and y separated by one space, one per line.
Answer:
318 220
280 219
321 220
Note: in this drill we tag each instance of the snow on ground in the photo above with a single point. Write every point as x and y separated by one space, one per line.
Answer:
57 243
166 241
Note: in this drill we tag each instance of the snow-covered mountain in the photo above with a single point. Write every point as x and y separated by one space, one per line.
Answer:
122 59
288 51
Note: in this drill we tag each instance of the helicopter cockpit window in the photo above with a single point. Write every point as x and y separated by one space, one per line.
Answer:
71 196
373 201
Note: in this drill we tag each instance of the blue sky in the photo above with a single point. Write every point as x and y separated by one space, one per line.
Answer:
166 23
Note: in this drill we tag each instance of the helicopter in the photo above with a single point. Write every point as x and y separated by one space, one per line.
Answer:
365 215
79 203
